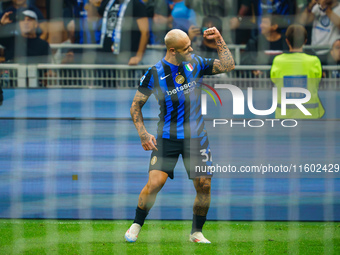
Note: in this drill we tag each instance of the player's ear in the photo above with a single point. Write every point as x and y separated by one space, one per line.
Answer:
288 43
172 51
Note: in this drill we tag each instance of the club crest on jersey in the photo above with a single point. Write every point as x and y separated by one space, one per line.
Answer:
153 160
179 79
189 67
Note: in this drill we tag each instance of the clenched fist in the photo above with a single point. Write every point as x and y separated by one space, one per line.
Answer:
212 34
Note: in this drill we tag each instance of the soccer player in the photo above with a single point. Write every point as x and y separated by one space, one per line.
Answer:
175 83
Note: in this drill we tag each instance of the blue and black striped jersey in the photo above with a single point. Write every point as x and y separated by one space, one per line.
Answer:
177 90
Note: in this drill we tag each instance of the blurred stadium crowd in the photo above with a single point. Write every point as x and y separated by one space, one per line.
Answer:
132 31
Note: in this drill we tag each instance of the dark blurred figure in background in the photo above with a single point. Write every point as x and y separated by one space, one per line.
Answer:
218 8
89 22
286 9
334 54
60 16
202 46
243 21
262 49
181 16
1 96
333 57
84 29
1 93
25 47
62 28
17 6
125 32
158 12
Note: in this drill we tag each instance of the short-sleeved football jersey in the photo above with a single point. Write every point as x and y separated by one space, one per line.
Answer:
177 90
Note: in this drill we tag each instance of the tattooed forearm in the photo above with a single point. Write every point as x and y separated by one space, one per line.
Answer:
137 116
226 61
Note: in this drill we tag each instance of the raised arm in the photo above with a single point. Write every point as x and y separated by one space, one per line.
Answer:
5 19
226 62
307 16
143 26
7 37
148 141
334 17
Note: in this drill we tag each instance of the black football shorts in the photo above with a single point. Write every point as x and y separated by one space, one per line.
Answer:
195 152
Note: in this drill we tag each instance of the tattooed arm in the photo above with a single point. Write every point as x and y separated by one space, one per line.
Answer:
226 62
148 140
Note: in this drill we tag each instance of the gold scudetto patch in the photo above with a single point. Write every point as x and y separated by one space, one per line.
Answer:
153 160
179 79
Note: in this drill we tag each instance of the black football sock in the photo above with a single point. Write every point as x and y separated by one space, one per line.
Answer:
197 223
140 216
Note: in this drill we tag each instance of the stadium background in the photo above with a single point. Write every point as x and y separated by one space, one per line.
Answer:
75 154
69 154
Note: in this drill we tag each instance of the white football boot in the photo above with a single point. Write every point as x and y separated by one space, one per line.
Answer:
198 237
132 233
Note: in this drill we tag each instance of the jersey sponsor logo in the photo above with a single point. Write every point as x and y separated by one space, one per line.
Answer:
186 88
162 78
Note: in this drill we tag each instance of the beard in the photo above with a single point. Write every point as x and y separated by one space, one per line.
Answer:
183 58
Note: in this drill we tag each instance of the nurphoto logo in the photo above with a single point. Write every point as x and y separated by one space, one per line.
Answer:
239 102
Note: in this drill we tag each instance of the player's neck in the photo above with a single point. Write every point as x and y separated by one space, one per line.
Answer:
297 50
171 59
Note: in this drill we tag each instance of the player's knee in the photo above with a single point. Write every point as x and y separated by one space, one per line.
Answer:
154 186
206 188
204 185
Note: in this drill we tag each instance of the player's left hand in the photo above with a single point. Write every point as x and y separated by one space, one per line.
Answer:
212 34
134 60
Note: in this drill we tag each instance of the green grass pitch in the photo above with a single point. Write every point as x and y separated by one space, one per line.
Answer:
167 237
